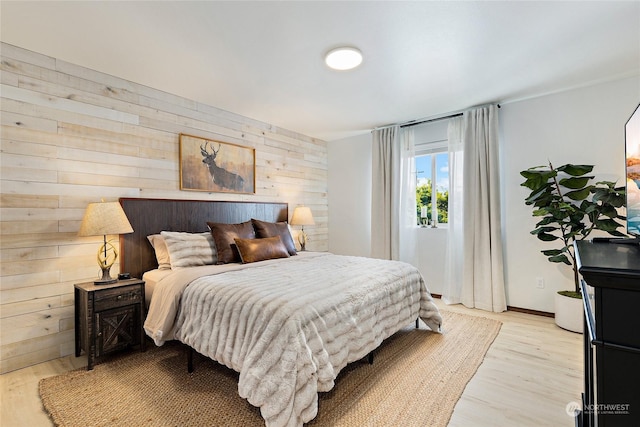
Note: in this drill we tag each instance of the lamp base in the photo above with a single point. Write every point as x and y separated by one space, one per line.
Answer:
107 256
302 239
106 278
104 282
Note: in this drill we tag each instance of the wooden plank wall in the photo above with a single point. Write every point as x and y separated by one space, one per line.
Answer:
71 136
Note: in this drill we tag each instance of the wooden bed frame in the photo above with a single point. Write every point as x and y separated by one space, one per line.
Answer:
151 216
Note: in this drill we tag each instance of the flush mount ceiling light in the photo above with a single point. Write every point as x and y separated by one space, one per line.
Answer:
343 58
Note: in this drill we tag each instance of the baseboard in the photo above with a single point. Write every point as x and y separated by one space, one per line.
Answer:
516 309
529 311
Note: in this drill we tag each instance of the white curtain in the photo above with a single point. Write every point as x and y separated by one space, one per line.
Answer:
393 204
475 275
452 292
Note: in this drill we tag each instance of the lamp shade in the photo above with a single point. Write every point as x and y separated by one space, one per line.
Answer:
302 216
104 218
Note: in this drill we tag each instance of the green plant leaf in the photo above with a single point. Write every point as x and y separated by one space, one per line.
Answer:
545 229
607 225
540 212
545 237
535 179
560 213
554 252
575 170
608 195
574 234
608 211
545 221
579 194
587 206
571 294
560 258
546 199
575 183
539 193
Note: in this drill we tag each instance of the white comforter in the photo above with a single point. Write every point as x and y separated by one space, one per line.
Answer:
289 326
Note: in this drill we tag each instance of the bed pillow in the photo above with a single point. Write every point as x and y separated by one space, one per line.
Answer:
224 235
253 250
161 251
272 229
189 249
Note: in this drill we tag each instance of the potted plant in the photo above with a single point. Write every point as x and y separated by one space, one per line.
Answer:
570 207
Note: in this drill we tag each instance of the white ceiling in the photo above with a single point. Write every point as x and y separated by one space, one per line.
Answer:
264 60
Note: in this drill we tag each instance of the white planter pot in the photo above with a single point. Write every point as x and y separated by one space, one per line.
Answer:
569 313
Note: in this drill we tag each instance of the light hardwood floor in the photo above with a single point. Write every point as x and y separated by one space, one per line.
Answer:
529 375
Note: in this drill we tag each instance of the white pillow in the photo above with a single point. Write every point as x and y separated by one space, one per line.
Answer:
162 253
190 249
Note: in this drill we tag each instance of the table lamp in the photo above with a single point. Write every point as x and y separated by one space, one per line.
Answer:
302 216
101 219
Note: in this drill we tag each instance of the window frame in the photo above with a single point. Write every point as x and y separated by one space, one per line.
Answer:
432 148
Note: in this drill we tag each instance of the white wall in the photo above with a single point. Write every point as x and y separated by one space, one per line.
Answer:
584 125
579 126
350 185
432 250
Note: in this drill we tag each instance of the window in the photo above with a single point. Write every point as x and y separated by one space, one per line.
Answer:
432 173
432 187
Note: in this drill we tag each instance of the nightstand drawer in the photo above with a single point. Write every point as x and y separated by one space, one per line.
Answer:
112 298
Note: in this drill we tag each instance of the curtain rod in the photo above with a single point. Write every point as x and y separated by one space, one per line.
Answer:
432 119
419 122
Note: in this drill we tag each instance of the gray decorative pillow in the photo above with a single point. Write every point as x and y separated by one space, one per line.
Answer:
161 251
190 249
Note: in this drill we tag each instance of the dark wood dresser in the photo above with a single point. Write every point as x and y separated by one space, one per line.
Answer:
611 278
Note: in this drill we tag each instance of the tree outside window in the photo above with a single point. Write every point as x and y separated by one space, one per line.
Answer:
432 188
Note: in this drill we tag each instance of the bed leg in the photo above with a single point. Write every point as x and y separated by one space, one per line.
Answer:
370 358
417 325
190 360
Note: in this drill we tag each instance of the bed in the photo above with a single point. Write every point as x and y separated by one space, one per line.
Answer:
288 322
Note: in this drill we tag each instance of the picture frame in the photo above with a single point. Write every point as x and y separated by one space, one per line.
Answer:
216 166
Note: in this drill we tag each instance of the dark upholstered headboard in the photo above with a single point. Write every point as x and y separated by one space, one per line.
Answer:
151 216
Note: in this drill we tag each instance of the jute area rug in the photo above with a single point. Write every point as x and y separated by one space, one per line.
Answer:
416 379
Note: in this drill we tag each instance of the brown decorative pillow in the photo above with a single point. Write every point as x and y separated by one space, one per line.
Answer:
253 250
272 229
224 235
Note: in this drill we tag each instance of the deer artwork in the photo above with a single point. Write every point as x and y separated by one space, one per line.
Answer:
220 176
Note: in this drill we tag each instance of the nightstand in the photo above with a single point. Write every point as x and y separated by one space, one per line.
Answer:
109 317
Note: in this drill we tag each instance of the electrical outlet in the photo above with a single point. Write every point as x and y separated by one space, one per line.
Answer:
539 283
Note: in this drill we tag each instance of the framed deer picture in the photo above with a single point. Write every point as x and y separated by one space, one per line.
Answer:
214 166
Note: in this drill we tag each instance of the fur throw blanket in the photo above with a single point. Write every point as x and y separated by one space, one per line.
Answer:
289 327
